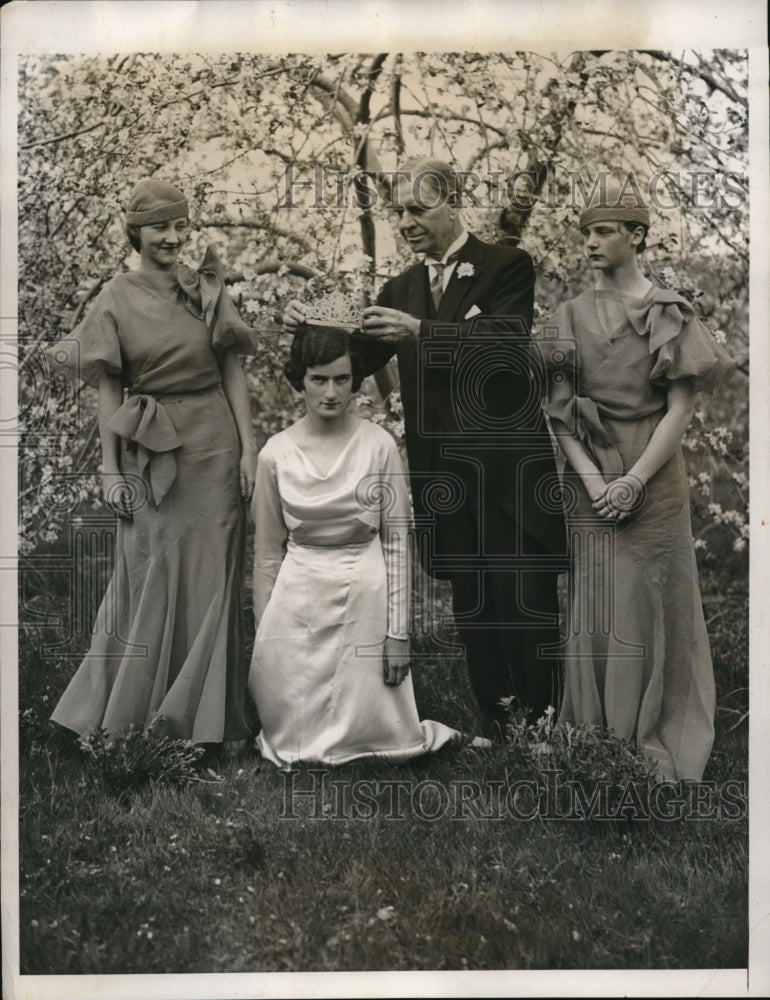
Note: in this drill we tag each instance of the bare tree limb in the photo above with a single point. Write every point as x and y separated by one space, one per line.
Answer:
272 228
375 69
702 71
338 97
395 104
427 113
274 266
166 104
62 138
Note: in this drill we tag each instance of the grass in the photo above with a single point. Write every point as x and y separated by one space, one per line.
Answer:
215 877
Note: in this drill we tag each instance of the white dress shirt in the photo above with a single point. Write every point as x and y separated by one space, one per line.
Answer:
452 248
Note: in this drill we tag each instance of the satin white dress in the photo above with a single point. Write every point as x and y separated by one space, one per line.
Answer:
342 585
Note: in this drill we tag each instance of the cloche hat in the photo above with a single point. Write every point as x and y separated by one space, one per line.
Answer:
155 201
611 203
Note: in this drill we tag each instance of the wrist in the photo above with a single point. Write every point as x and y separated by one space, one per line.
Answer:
594 483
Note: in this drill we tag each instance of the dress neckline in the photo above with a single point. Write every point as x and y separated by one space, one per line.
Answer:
627 301
336 461
618 295
163 280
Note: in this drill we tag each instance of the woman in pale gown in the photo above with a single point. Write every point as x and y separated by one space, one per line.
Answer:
161 346
330 670
626 359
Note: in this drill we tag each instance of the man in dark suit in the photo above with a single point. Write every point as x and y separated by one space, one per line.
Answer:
484 485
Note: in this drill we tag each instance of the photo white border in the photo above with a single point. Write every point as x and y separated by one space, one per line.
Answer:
91 27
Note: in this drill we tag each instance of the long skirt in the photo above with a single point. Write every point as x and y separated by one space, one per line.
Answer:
168 638
638 658
317 670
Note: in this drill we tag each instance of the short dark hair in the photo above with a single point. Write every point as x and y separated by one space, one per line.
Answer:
320 345
132 232
632 227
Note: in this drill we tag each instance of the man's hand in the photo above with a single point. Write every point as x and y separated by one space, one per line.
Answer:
390 325
395 661
294 316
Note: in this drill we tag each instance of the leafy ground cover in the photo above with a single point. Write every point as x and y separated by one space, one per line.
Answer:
469 859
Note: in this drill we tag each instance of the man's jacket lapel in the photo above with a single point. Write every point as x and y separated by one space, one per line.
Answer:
420 302
458 297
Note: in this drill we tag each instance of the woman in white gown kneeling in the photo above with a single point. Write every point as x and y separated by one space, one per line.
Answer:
330 670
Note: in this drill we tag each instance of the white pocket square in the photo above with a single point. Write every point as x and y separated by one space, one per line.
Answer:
473 311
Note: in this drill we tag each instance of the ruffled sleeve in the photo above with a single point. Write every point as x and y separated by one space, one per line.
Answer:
205 291
683 347
93 346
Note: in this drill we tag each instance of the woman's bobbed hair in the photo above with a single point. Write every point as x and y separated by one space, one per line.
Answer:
132 234
314 346
632 227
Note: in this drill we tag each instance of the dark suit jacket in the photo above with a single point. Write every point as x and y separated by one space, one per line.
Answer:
470 385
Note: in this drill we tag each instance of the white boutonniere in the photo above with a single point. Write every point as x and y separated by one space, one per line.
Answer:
465 270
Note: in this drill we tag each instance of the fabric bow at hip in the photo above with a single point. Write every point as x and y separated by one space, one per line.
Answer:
580 415
145 422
